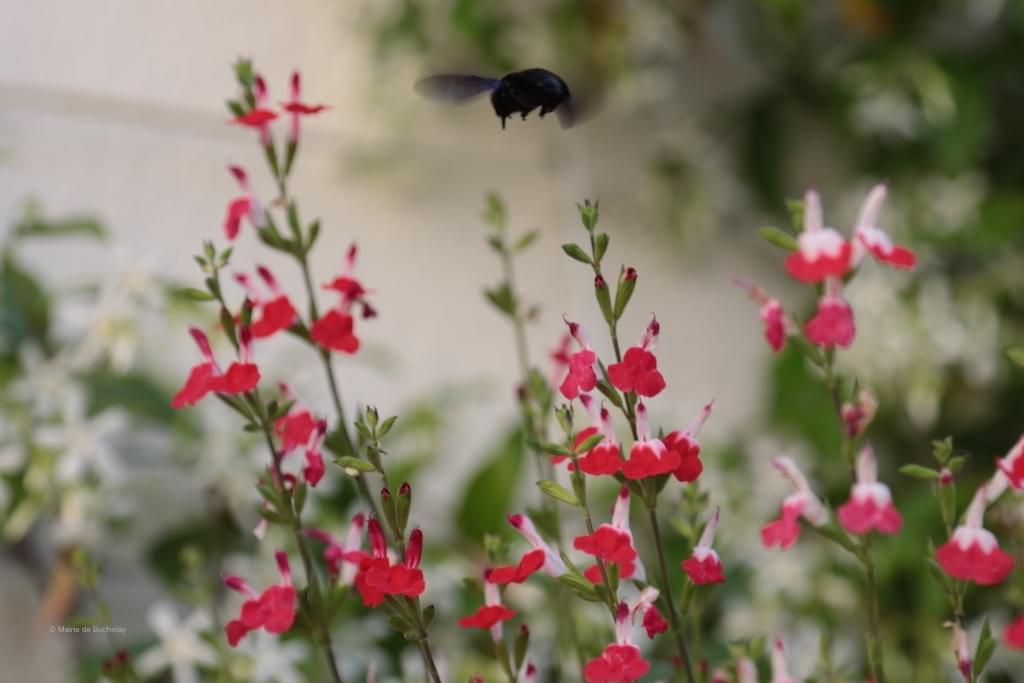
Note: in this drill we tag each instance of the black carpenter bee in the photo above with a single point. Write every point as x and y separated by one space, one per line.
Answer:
520 92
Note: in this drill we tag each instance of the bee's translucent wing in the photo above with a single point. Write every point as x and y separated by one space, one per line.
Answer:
453 88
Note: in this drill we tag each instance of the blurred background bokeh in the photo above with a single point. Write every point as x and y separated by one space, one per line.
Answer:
113 147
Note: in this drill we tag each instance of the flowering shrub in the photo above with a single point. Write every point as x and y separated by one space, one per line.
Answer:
622 591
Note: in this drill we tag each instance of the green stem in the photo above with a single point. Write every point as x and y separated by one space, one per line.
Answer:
874 633
677 629
312 581
332 382
580 488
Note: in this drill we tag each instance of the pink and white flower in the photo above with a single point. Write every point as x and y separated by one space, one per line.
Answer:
648 457
780 672
581 376
553 564
833 323
973 553
704 566
621 661
822 252
785 531
684 443
870 506
1013 465
868 238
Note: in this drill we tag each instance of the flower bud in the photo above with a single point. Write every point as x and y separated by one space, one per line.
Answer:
390 510
945 477
624 291
521 645
403 505
604 299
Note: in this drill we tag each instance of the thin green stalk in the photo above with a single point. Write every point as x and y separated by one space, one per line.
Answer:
312 581
332 382
677 628
874 633
580 488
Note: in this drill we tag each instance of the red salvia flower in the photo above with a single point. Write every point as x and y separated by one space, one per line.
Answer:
262 115
703 566
487 616
1013 636
553 564
638 371
273 313
272 610
351 290
343 557
605 458
785 531
246 206
492 613
621 661
528 564
295 428
833 324
581 376
822 252
1013 465
648 457
607 543
774 318
683 442
334 331
378 578
297 108
868 237
560 359
613 543
653 622
313 472
870 506
973 553
207 377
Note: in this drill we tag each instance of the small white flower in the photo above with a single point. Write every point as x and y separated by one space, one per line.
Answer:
272 659
180 647
84 443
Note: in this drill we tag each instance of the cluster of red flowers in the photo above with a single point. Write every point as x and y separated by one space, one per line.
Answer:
637 375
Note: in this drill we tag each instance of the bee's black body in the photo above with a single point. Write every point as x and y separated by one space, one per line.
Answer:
519 92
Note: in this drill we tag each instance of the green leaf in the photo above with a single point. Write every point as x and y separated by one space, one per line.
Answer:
356 464
1016 354
494 210
490 492
429 612
590 442
919 472
525 241
589 214
84 226
558 492
986 646
386 426
555 449
502 298
579 586
942 450
134 392
779 238
575 251
796 213
24 305
192 294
